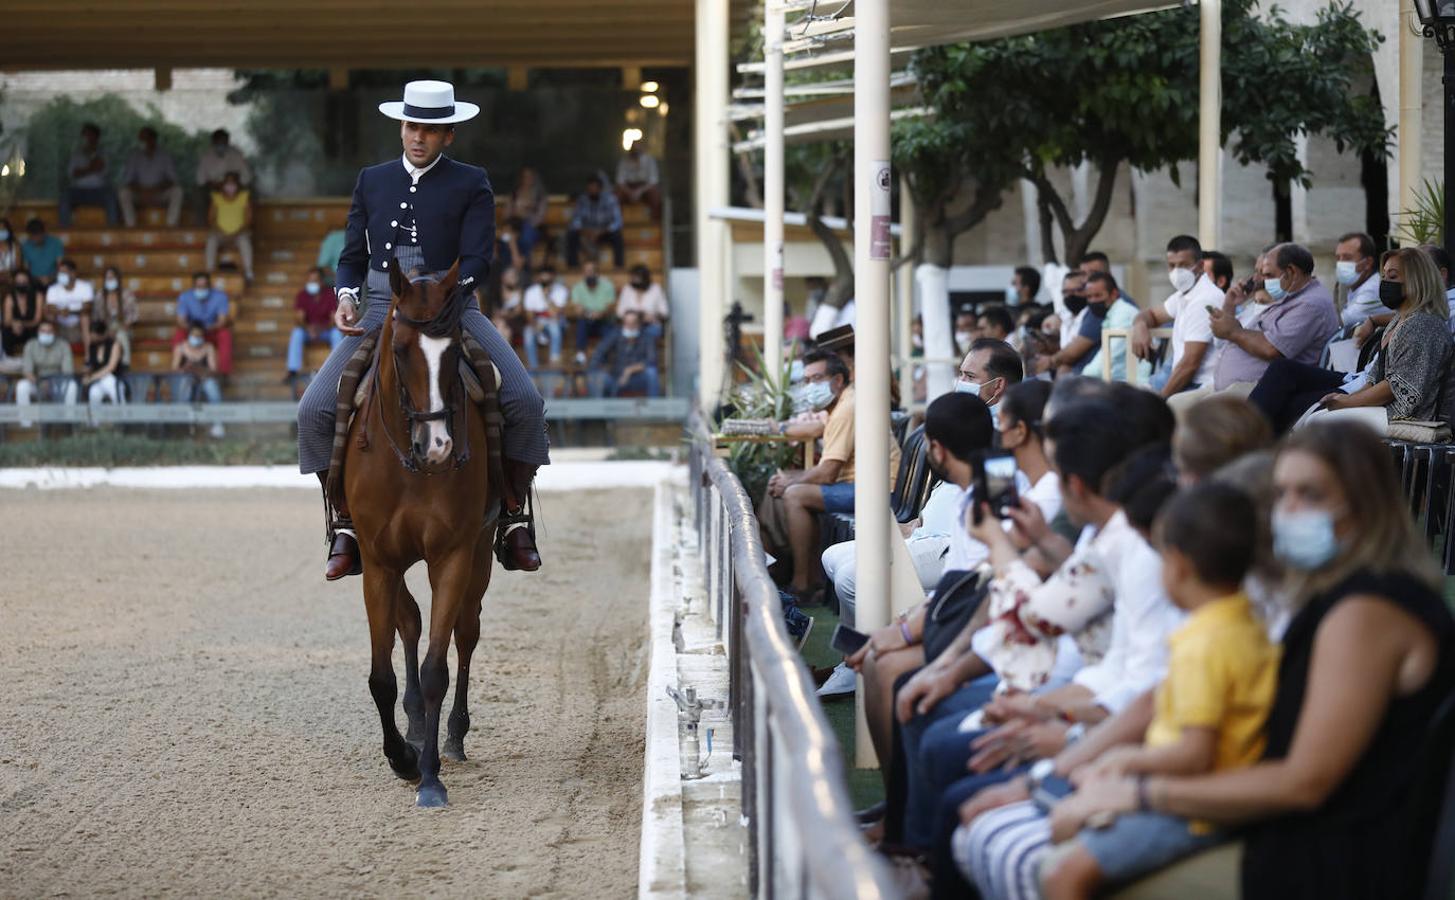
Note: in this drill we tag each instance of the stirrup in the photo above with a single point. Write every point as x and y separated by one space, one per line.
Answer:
508 524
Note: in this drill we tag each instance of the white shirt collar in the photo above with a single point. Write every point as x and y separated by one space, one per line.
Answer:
417 173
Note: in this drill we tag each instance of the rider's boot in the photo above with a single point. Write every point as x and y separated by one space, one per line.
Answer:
515 539
343 553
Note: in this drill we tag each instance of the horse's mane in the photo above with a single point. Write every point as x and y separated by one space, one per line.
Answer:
447 322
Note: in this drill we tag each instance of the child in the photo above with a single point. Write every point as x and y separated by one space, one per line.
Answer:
1221 674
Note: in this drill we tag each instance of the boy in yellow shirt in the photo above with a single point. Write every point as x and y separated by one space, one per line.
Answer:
1210 709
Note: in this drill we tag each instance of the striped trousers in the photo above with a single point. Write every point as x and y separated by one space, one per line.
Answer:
1002 850
520 403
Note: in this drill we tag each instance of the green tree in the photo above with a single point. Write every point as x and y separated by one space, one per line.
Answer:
1125 92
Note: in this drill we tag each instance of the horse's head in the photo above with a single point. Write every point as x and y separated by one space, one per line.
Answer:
426 347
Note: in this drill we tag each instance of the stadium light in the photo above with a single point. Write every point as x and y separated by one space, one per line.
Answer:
650 101
649 87
630 136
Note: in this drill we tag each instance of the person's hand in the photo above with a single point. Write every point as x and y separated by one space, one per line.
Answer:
1068 817
923 692
988 530
1029 526
1335 400
1014 791
1017 742
1363 332
1103 797
881 640
1141 341
1113 763
1234 298
777 485
1006 707
345 315
1223 323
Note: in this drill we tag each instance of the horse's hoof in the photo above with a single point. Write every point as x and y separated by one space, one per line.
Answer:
431 796
406 767
453 750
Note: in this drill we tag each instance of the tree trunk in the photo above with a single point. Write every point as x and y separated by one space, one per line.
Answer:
752 193
1075 238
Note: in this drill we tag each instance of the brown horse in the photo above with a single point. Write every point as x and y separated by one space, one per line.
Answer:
418 489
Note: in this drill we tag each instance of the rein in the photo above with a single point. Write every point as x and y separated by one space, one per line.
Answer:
445 323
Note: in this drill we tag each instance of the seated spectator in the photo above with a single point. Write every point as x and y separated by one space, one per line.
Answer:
1214 432
328 254
1442 262
46 369
988 371
113 311
230 223
150 179
104 365
41 253
595 221
1335 807
1296 324
88 185
528 205
637 180
218 161
1405 378
10 255
68 300
994 322
21 313
592 299
208 308
544 316
788 513
1219 268
1096 261
511 306
313 309
967 329
1025 284
1106 308
645 296
1221 676
195 369
625 362
1187 309
1075 348
1357 267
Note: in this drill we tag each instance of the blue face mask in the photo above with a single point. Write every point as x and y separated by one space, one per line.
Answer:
1012 296
795 371
818 395
202 293
311 287
967 387
1274 287
1304 540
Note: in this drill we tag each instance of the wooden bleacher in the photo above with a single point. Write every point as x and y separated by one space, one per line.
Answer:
158 262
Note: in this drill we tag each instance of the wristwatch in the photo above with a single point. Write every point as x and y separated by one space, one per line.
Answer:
1043 769
1075 732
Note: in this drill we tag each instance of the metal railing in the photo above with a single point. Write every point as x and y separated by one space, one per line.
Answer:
803 838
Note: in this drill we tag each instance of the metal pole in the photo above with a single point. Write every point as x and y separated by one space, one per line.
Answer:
773 188
1449 143
904 294
1209 130
1411 105
872 179
710 116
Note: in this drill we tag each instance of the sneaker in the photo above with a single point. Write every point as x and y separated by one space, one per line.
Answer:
217 430
840 684
580 358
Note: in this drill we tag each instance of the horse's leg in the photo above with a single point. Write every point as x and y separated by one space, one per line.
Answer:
406 619
379 596
447 581
467 636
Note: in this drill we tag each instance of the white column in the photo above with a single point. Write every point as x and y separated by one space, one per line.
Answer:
773 188
711 191
1411 107
1209 131
871 335
904 294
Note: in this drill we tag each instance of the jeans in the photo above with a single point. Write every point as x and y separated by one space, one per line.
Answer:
554 332
614 238
588 328
104 197
220 338
186 388
946 751
1287 390
529 236
603 384
299 338
923 788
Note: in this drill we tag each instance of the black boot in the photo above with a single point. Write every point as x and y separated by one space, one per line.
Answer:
515 536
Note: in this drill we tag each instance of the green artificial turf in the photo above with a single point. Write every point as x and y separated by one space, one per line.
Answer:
865 785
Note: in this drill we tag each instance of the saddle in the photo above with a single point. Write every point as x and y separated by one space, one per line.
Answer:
480 378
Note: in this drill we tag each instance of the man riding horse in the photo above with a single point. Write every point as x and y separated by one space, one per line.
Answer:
420 214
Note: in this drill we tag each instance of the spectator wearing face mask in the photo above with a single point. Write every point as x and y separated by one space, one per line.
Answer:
230 222
1107 309
625 362
988 370
313 321
1188 310
68 300
208 308
1356 267
117 307
194 372
218 161
104 365
1219 268
1096 261
150 179
1075 348
545 312
21 313
41 252
47 370
591 301
967 329
596 221
1024 285
643 295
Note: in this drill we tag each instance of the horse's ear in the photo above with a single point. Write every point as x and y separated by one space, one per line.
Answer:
397 284
451 278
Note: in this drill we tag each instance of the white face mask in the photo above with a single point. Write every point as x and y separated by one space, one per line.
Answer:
967 387
46 339
1346 271
963 339
1182 279
112 284
64 279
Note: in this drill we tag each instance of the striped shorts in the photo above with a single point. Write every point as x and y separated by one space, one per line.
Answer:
1002 850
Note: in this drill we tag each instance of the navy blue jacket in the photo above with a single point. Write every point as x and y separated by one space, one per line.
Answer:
454 211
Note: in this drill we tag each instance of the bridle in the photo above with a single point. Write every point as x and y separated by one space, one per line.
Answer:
446 318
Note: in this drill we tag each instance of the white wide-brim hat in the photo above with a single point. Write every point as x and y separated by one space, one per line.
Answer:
430 103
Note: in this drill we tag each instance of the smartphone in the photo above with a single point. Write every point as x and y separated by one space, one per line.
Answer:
995 484
846 640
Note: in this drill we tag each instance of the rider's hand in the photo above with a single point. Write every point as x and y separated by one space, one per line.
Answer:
346 314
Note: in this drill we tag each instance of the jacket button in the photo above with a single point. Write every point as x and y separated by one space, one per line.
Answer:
404 206
388 246
394 224
413 189
384 264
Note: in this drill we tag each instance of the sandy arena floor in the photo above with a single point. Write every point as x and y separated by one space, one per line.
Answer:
185 711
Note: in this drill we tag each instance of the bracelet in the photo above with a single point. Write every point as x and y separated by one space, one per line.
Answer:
904 632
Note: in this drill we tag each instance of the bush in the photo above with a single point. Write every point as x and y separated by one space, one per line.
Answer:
109 449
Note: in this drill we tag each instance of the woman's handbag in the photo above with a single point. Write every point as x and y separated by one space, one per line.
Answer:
957 597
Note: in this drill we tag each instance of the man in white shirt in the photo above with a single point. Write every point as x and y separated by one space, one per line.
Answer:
545 310
1356 265
89 185
67 299
637 180
1187 309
